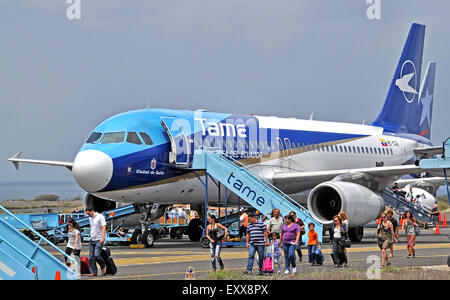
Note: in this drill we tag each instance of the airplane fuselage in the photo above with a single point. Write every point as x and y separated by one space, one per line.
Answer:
144 156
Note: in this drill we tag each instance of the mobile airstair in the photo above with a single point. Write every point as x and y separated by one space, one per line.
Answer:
246 184
399 204
22 258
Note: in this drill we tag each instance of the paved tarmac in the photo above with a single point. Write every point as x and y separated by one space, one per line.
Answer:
170 259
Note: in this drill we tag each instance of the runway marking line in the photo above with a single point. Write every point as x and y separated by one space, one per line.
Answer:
244 254
242 268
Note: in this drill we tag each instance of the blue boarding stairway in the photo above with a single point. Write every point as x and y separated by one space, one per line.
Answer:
255 190
23 259
399 204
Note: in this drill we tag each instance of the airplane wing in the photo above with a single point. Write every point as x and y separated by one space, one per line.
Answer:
16 160
429 151
438 181
295 182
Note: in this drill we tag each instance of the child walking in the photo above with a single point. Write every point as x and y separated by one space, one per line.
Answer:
313 244
276 251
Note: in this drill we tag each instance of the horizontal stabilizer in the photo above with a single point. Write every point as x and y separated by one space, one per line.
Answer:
16 160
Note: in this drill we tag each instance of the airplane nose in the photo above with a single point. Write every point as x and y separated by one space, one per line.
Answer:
92 170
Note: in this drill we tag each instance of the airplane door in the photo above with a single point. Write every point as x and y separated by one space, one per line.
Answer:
180 147
282 154
288 148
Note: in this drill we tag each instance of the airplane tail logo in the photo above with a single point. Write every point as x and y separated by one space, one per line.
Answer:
400 113
408 83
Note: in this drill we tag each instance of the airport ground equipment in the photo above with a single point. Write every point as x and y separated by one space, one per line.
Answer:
246 184
176 227
440 163
59 233
399 204
22 258
41 223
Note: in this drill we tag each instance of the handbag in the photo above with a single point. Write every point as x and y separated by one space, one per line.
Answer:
417 230
345 242
220 234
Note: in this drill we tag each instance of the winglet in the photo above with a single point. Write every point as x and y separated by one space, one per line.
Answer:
12 159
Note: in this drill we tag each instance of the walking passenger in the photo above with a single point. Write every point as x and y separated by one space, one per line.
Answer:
435 215
74 239
300 223
385 238
276 251
243 221
337 233
276 223
290 234
257 240
98 232
216 233
410 225
344 219
390 217
313 244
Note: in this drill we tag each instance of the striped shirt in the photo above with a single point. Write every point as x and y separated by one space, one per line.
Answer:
256 232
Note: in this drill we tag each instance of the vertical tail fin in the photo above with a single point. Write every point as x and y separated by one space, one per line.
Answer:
425 102
400 110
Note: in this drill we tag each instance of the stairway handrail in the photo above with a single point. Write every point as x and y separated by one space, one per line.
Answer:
30 260
404 202
42 238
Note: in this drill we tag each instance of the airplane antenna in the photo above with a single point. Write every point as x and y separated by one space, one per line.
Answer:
311 116
364 122
148 103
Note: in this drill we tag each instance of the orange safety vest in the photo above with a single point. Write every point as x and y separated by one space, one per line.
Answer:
245 222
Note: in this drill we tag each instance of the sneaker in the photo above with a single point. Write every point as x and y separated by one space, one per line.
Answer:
248 272
294 270
286 272
261 273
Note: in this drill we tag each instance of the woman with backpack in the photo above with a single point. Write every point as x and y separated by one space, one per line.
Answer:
216 233
386 237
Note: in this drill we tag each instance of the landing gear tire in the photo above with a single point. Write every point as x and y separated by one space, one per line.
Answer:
195 230
176 233
204 242
149 238
136 237
356 234
53 239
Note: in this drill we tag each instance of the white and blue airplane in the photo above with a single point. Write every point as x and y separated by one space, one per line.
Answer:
144 156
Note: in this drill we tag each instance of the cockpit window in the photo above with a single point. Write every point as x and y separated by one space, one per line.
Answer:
133 138
94 137
113 137
146 138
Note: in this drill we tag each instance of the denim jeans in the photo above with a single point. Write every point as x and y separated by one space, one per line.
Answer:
298 248
252 249
215 249
312 253
95 248
289 255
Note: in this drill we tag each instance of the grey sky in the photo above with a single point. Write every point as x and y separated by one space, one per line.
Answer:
60 78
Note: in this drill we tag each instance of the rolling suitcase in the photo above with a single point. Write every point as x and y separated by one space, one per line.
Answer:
84 265
109 262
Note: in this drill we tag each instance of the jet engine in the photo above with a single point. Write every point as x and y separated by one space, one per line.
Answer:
359 203
98 204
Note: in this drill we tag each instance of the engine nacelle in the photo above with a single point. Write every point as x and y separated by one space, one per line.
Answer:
98 204
359 203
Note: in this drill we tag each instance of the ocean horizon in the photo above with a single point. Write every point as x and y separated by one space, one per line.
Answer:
29 190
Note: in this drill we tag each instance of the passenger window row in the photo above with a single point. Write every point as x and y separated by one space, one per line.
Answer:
119 137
